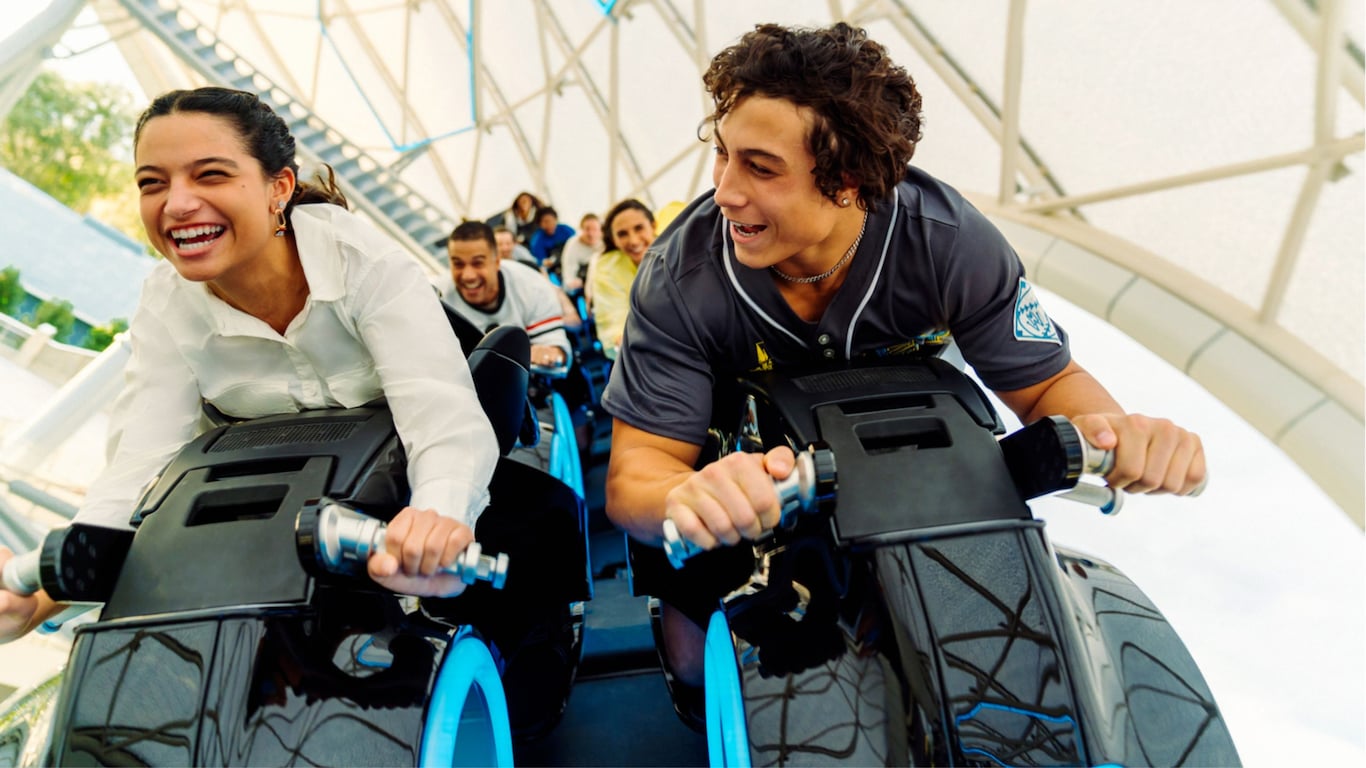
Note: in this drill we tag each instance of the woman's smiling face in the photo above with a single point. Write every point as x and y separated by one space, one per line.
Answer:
633 233
206 203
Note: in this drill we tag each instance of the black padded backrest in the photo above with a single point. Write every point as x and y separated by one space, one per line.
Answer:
467 332
499 365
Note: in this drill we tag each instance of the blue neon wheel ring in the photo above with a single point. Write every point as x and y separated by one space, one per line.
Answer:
727 731
447 739
564 449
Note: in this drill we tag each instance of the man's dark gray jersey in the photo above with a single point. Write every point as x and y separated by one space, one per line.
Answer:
930 269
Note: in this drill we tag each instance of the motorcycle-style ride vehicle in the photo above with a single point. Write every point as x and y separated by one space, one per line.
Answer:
911 610
235 629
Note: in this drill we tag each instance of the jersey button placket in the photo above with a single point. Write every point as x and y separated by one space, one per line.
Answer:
827 351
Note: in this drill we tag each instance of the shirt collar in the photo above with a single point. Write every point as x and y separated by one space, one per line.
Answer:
756 289
322 269
313 233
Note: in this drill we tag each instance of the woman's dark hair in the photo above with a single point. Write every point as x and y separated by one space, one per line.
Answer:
629 204
536 203
265 136
866 108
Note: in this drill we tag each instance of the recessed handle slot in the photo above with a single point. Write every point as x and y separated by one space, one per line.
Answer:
260 502
890 403
891 435
273 466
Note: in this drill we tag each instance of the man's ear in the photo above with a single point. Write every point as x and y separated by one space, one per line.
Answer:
849 189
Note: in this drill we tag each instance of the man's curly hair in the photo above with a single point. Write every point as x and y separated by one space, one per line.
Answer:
866 108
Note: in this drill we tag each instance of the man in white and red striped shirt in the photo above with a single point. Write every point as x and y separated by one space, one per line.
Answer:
490 292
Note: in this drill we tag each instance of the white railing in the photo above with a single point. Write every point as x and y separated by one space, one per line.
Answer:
34 349
13 334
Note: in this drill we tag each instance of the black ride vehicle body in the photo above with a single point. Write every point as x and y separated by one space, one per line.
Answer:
938 624
216 645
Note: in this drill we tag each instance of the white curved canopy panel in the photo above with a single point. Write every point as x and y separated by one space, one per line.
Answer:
1191 172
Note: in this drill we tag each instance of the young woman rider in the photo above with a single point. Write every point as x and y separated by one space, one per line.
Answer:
273 298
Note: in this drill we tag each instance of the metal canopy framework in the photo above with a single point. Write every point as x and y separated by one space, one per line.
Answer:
1191 173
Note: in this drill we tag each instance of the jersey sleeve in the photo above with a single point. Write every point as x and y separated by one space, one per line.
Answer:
661 382
994 312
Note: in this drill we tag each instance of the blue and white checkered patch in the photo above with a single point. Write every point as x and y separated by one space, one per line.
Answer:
1031 322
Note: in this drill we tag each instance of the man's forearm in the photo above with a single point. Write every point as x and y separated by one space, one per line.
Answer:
639 479
636 500
1071 393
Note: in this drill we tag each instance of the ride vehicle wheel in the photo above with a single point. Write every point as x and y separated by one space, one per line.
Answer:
834 713
467 718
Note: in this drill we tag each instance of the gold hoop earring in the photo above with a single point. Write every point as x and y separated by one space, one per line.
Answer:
281 223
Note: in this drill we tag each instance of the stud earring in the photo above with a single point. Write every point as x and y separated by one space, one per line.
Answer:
281 224
844 202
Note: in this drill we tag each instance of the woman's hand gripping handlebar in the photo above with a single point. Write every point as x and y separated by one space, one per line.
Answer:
75 566
340 540
813 480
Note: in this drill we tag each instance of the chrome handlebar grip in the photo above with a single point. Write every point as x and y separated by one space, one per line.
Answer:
21 573
811 478
346 539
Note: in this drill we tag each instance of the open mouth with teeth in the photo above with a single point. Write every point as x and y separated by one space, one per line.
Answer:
196 238
747 230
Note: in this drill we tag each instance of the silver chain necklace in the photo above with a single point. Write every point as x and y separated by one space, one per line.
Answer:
849 254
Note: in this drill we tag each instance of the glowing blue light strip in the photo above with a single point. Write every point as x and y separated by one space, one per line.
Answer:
364 662
727 732
564 447
468 666
971 713
987 755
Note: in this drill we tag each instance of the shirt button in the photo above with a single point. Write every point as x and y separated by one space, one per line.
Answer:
829 353
823 339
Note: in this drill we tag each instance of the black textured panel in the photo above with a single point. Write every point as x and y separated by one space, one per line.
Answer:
287 434
843 381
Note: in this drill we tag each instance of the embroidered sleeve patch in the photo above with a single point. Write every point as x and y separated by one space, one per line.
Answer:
1031 322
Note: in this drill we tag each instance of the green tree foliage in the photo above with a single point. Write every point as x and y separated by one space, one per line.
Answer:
102 336
71 140
11 292
59 314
